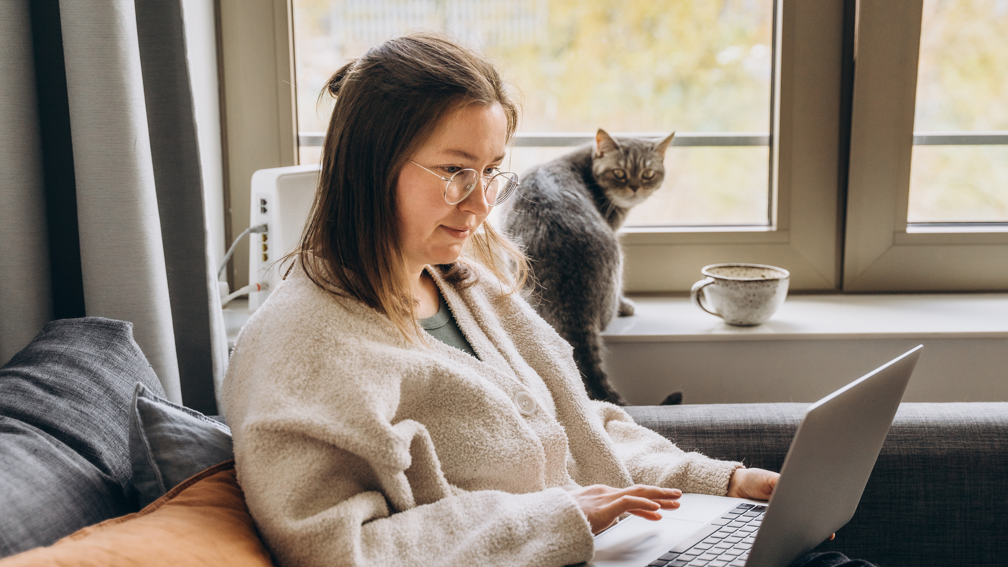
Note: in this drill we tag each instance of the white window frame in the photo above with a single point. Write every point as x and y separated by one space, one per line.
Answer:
804 234
883 252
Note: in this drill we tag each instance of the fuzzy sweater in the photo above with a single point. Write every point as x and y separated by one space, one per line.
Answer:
355 447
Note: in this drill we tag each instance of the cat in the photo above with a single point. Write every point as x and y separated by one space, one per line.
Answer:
565 216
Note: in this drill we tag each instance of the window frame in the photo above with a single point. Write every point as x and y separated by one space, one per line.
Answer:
883 252
804 235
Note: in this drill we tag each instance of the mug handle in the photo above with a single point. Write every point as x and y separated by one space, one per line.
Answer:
695 294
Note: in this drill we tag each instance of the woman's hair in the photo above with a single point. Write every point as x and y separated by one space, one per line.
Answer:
388 103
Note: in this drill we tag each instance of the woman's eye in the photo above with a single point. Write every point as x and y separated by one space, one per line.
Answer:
648 174
491 171
451 169
619 174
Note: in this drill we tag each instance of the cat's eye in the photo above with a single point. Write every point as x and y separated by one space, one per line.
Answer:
648 174
619 174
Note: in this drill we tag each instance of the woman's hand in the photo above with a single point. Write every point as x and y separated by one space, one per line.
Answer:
603 504
754 484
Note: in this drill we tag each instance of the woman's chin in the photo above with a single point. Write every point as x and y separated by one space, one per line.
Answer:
447 255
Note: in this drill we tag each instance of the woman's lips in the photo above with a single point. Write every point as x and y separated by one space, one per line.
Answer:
457 232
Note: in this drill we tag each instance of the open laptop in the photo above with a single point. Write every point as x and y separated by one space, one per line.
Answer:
821 482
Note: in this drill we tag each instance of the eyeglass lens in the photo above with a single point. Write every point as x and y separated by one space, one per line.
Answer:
498 188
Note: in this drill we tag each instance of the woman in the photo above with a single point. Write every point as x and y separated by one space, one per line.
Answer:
360 438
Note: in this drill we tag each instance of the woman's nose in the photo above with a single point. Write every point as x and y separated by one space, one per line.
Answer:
476 201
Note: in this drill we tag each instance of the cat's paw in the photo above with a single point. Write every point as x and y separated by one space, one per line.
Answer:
673 399
626 307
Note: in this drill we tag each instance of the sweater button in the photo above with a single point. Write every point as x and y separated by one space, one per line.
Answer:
525 402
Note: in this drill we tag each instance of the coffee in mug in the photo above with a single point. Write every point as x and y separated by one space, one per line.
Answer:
741 294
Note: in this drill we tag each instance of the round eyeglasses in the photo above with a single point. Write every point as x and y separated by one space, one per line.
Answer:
499 185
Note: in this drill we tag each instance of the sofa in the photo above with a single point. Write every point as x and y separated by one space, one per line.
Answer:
97 468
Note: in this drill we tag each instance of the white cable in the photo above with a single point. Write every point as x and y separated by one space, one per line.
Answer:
256 229
243 291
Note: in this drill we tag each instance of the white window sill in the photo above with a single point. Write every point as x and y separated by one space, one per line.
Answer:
236 314
803 317
813 345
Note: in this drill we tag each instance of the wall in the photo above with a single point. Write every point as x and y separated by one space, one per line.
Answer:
802 370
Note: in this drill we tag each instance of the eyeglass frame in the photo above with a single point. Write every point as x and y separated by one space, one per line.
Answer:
502 198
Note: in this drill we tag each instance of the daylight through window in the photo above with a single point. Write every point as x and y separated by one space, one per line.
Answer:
649 67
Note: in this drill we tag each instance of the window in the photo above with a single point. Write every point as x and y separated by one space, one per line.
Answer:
863 161
701 68
926 210
959 164
636 67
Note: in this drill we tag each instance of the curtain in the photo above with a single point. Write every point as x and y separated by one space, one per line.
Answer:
102 200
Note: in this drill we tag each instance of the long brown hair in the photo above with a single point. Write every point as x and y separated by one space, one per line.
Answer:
388 103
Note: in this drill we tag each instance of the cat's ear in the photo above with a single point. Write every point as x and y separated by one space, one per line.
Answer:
604 143
663 145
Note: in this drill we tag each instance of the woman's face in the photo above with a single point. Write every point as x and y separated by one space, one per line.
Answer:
432 231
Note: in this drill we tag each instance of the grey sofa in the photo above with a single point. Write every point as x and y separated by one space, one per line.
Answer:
936 496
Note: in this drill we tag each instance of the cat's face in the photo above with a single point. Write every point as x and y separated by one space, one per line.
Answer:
629 170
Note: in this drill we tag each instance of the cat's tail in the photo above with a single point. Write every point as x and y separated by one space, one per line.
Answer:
588 347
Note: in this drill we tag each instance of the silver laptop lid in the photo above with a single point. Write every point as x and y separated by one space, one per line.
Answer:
816 494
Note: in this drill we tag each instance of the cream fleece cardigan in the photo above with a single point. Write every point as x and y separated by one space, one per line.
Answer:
355 447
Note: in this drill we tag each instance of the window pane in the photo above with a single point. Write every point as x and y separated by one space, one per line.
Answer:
710 186
699 189
961 85
959 184
634 65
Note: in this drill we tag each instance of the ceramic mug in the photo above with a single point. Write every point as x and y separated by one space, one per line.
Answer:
741 294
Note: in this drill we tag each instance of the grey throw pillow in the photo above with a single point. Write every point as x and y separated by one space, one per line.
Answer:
170 443
64 440
47 490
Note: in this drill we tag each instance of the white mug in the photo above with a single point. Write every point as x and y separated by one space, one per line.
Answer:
741 294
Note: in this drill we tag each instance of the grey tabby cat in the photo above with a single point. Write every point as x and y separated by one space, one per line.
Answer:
565 216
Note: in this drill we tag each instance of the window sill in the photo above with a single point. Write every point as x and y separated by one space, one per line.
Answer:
236 314
804 317
813 345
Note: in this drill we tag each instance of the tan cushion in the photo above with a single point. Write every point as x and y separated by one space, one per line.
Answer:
203 521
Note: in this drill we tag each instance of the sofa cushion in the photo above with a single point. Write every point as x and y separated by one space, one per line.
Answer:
170 443
48 490
66 399
203 521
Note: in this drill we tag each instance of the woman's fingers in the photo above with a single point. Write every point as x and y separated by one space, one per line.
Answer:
603 504
652 492
632 504
668 504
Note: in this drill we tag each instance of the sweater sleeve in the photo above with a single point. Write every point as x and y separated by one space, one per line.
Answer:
653 459
316 503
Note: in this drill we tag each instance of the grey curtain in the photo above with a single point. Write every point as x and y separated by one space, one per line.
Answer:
102 201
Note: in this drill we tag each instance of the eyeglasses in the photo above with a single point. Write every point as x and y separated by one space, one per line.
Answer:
499 185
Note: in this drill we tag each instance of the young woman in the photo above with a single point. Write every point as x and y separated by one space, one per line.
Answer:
394 402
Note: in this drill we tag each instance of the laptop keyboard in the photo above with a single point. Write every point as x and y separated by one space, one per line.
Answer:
725 542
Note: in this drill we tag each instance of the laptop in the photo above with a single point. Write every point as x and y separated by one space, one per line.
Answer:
821 482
